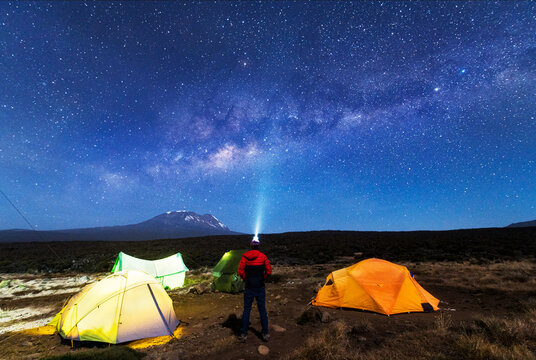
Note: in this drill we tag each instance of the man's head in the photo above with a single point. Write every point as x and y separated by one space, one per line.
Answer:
255 243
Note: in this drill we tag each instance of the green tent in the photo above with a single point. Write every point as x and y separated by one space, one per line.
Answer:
170 271
226 272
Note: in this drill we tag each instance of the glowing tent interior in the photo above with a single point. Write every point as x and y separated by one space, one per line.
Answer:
124 306
226 272
375 285
169 271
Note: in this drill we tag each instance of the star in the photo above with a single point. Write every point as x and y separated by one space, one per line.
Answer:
340 115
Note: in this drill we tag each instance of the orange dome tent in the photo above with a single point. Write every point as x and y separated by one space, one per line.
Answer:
375 285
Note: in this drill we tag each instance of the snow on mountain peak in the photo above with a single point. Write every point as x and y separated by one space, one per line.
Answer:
192 218
176 211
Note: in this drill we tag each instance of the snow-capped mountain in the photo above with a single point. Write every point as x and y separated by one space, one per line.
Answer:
169 225
179 218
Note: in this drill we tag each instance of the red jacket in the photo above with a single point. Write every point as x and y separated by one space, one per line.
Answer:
254 268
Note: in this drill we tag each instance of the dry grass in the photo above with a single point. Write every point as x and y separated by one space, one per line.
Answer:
486 337
501 276
501 338
477 348
332 343
509 276
490 338
443 322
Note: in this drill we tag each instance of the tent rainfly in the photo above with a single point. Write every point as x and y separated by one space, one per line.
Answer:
375 285
124 306
225 272
169 271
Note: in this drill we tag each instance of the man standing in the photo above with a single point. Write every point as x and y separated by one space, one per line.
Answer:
254 268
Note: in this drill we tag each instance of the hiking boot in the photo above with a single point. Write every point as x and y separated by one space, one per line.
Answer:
243 338
265 337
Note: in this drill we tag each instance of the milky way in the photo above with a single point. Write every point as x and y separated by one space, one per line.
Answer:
327 115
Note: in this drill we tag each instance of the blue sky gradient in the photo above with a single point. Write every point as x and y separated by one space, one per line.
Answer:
323 115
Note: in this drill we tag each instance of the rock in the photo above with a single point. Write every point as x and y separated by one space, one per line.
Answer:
263 350
326 317
278 297
196 289
311 315
207 287
278 328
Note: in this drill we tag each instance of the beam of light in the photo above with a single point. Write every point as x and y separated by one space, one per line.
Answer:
258 221
262 197
265 172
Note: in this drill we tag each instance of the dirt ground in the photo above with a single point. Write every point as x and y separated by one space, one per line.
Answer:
210 321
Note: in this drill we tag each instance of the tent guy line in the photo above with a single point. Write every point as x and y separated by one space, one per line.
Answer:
30 224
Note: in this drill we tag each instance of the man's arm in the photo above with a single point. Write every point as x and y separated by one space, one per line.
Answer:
242 268
267 267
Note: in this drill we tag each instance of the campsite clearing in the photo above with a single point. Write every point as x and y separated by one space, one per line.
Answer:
492 292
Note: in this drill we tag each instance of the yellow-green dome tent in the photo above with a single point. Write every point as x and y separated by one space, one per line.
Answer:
170 271
125 306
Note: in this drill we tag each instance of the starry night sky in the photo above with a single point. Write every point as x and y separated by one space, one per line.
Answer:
324 115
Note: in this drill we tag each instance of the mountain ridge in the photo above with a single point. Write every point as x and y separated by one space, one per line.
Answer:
522 224
171 224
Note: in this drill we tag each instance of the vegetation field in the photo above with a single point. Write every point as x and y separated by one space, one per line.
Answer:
476 245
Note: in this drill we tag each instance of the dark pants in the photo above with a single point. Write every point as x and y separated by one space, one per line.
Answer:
249 295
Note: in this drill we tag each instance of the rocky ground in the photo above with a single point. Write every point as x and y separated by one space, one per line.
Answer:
210 320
